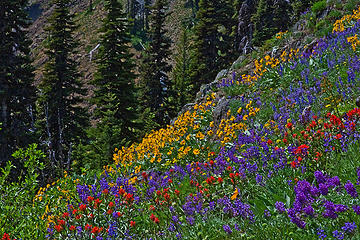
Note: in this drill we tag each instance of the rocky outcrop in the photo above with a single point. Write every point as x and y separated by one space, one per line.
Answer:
220 110
245 27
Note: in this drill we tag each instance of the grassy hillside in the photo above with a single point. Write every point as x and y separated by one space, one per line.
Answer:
281 163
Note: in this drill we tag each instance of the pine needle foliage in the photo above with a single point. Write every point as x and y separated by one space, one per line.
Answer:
62 118
155 83
17 93
115 95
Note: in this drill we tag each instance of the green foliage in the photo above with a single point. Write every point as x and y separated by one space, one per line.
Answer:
62 119
350 5
318 7
269 19
115 95
17 93
300 6
213 41
18 214
155 83
182 84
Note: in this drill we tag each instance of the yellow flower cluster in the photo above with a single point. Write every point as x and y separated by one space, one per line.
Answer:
42 190
157 146
228 128
346 21
279 35
285 57
354 41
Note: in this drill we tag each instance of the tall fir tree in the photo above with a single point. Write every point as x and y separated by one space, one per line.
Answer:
212 44
271 17
263 21
62 118
300 6
181 81
155 83
115 95
17 93
204 65
282 15
225 12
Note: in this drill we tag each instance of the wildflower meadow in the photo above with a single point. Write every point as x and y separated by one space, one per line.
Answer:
283 163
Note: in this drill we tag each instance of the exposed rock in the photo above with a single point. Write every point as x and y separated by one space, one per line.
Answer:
299 25
205 88
220 110
245 27
238 61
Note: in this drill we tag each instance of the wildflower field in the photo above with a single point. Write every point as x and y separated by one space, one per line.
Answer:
283 164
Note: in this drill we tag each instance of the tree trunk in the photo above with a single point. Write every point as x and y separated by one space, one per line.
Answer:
3 138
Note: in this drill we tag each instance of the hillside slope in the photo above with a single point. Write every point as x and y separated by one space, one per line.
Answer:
283 158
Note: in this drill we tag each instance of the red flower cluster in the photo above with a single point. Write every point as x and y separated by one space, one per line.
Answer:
6 237
154 219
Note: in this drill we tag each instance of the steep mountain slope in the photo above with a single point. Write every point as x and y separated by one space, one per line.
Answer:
86 34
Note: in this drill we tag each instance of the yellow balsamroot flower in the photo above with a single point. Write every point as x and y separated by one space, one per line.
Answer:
228 113
137 169
200 135
354 41
236 193
245 117
239 110
196 151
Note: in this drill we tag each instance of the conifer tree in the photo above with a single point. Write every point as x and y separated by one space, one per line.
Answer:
62 119
263 21
225 12
115 94
300 6
182 84
156 85
204 66
282 12
212 44
17 93
271 17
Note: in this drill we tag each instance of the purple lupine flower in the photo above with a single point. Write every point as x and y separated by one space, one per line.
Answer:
319 176
227 229
323 188
175 218
267 213
314 191
79 230
349 227
351 190
334 181
280 207
258 178
341 208
237 228
338 234
99 238
321 233
190 220
356 209
309 210
172 227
